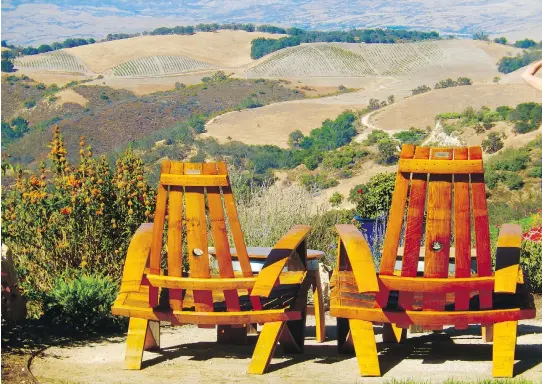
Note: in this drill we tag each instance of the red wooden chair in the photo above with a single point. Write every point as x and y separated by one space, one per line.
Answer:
446 186
193 195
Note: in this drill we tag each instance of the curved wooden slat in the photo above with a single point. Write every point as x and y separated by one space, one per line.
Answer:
432 317
437 285
439 167
136 258
279 255
207 318
217 284
194 180
395 220
360 257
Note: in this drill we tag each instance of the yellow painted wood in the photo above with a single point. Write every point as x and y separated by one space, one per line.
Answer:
441 167
158 233
395 220
136 258
319 313
207 318
360 257
235 226
174 235
432 317
437 285
135 342
194 180
364 341
504 347
196 234
216 284
510 236
265 347
506 279
277 259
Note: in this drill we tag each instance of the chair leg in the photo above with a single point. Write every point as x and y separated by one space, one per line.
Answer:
363 337
319 313
265 347
135 343
393 334
292 338
504 347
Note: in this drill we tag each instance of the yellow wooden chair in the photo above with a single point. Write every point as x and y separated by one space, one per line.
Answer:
189 196
446 186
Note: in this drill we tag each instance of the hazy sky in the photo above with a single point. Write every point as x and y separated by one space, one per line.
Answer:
34 22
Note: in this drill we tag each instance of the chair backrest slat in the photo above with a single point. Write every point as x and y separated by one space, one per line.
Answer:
196 234
414 227
174 235
200 205
441 190
481 227
462 230
235 227
220 237
395 220
158 233
438 227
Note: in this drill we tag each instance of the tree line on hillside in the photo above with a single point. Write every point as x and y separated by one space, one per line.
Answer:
447 83
263 46
68 43
512 63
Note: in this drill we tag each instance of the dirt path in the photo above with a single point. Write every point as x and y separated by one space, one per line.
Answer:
190 355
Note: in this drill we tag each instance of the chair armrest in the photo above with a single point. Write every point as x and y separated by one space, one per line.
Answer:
136 258
277 258
507 258
355 248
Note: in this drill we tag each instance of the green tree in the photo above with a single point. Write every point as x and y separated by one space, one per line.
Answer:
492 143
294 138
480 36
197 123
374 198
421 89
387 151
7 65
527 43
501 40
336 199
391 99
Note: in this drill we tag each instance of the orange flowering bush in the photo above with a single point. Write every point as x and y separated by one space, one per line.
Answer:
74 217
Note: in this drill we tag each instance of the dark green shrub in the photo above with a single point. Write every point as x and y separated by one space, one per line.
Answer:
336 199
374 198
513 181
412 136
375 136
531 262
492 143
81 302
29 104
492 178
387 152
535 172
510 160
318 181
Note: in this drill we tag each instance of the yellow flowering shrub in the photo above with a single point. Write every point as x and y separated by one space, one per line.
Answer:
79 216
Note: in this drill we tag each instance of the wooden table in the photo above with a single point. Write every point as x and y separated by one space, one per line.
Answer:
258 255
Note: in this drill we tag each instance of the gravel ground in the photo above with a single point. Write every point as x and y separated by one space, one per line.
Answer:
190 354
